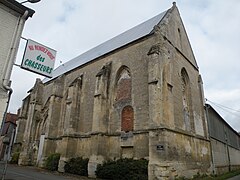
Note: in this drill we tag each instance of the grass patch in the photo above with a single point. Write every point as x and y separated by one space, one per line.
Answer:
227 175
213 177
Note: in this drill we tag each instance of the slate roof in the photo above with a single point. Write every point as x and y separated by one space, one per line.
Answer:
125 38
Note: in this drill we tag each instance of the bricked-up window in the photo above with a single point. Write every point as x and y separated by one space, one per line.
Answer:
127 119
124 86
186 99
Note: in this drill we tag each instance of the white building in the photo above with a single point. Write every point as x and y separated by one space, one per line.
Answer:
12 19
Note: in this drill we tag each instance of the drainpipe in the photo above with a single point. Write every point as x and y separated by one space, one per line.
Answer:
5 112
10 61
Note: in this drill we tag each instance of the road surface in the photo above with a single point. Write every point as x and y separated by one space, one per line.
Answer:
15 172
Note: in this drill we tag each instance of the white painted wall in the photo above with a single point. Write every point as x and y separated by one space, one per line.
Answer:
3 101
8 30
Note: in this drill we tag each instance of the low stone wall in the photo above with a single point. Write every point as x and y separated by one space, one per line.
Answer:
99 147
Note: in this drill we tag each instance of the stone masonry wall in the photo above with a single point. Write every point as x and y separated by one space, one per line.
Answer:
85 113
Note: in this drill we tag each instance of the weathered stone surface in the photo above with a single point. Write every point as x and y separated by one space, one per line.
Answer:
134 102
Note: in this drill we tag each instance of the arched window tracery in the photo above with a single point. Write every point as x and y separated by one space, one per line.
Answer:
124 85
123 99
186 99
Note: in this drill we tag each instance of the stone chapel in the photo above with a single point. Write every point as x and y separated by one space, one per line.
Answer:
137 95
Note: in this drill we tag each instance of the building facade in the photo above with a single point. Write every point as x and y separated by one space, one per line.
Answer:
12 17
225 143
7 136
138 95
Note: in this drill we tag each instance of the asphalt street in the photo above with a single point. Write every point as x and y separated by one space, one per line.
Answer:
15 172
235 178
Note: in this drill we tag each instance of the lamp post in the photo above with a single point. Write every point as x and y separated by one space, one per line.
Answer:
31 1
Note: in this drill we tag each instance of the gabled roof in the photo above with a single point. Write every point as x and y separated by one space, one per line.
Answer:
137 32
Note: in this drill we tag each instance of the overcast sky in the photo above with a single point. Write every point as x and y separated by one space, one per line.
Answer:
74 26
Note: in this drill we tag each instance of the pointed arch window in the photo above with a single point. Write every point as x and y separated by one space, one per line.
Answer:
71 106
123 85
186 99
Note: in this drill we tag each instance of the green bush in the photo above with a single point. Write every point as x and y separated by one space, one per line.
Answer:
52 162
123 169
15 157
77 166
